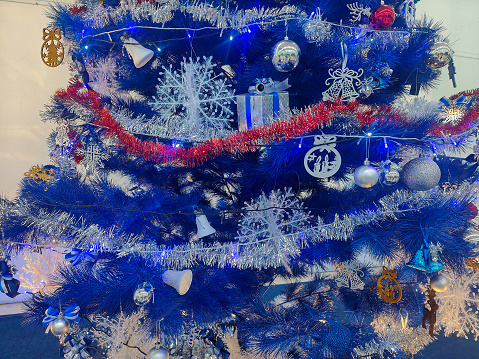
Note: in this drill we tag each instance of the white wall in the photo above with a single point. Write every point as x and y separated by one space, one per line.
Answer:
26 83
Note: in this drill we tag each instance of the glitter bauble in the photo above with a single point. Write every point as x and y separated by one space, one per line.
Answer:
437 55
286 54
157 353
143 294
382 17
439 283
366 176
60 326
421 174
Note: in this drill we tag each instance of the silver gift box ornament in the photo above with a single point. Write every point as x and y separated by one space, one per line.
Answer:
257 110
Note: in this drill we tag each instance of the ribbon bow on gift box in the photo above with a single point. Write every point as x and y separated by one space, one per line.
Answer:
8 284
78 349
77 255
70 313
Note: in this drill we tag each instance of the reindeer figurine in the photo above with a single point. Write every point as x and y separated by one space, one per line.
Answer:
430 314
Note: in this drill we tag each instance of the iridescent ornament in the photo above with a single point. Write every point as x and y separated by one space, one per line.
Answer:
366 175
382 17
439 283
286 54
437 55
158 352
421 174
143 293
60 326
366 88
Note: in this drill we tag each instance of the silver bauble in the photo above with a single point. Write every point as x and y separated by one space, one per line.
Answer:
143 294
286 54
421 174
366 176
439 283
60 326
437 55
390 174
157 353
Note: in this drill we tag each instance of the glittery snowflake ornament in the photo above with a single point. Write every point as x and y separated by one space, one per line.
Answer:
194 103
349 275
93 155
344 81
452 111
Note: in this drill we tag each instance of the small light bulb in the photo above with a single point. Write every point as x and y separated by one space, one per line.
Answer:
369 134
159 50
231 38
86 47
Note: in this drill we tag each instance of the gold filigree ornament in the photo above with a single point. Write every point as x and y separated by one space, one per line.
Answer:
52 48
38 174
388 286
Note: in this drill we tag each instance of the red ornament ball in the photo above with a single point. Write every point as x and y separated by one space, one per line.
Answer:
382 17
471 211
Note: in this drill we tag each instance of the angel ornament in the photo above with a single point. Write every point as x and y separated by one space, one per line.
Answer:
343 81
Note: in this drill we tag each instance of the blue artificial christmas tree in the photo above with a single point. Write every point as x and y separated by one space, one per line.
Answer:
179 231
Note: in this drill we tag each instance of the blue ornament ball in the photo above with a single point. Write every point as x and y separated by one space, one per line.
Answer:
421 174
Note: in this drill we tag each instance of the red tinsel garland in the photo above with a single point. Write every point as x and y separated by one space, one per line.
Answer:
306 121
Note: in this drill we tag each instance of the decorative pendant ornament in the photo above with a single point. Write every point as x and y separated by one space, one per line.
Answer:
439 283
139 54
203 227
52 49
366 176
60 326
382 17
389 173
473 263
437 55
349 275
452 111
358 12
344 81
158 352
388 286
429 314
449 187
323 160
421 174
408 9
143 294
38 174
286 54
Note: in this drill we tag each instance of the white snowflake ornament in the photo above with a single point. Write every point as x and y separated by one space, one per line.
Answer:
459 306
408 9
93 155
279 219
349 275
194 103
344 81
357 11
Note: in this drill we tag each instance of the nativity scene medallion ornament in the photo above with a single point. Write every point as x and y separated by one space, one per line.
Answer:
323 160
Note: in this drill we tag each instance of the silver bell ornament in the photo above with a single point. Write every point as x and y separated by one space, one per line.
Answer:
439 283
421 174
366 175
158 352
437 55
60 326
286 54
143 293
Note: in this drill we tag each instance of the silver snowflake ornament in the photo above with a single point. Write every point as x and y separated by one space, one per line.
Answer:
408 9
93 155
194 103
357 11
349 275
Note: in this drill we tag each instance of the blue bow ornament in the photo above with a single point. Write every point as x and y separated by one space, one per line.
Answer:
77 255
8 284
70 313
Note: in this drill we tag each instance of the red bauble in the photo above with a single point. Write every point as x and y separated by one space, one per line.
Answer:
382 17
471 211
